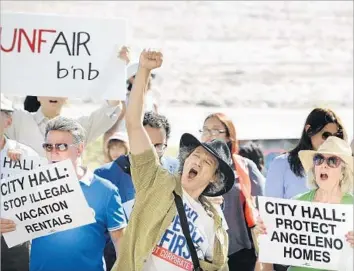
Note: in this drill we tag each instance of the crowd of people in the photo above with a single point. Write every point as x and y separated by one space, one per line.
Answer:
196 211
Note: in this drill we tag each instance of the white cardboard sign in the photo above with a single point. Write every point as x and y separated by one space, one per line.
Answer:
62 56
43 201
306 234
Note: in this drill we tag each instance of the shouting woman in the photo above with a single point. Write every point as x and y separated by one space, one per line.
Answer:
173 226
330 179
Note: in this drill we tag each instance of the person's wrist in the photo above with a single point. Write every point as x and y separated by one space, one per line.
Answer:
144 69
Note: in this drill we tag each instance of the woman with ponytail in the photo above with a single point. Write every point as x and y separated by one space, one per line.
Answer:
239 207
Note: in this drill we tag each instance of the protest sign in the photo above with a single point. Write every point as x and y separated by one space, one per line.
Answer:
305 234
62 56
43 201
9 168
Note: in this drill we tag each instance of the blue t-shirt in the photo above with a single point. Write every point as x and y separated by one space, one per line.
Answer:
81 249
122 181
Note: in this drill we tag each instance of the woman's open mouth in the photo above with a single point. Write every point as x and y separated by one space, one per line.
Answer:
192 173
323 176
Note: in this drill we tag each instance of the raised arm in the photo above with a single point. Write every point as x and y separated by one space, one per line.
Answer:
139 141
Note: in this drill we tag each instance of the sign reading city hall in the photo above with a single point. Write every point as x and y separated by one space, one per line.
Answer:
306 234
43 201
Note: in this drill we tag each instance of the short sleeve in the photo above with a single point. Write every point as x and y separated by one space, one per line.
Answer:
144 168
114 212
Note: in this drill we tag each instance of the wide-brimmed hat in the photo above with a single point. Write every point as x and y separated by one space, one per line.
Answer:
6 104
332 146
221 152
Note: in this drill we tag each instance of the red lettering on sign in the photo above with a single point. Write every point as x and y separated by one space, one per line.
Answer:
22 39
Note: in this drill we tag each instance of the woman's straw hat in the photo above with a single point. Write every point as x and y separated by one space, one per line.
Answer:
332 146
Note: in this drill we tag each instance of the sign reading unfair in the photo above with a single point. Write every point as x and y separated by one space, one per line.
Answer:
43 201
60 56
305 234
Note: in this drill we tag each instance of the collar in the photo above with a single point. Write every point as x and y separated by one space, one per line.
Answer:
38 116
88 177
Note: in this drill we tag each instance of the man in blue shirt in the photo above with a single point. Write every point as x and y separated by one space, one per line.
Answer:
118 172
79 249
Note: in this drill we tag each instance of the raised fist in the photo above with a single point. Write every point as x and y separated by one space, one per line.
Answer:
150 60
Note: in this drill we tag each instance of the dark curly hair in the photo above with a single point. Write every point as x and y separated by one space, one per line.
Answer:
155 120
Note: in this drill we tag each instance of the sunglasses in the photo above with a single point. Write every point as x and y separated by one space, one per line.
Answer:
58 147
332 161
326 135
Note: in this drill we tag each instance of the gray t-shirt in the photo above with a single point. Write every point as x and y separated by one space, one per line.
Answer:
239 237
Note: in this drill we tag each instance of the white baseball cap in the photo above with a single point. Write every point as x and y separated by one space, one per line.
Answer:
119 136
6 104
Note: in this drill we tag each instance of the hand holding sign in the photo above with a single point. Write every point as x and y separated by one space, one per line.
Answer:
150 60
42 201
350 238
14 154
260 226
7 225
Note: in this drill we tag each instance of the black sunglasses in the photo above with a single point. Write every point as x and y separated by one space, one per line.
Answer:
326 135
58 147
332 161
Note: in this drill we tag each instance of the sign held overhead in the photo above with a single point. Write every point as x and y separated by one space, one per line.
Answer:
62 56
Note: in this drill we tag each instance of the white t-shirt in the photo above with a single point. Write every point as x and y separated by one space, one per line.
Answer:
172 253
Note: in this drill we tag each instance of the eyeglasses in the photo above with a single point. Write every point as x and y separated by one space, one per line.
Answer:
59 147
160 147
326 135
332 161
212 132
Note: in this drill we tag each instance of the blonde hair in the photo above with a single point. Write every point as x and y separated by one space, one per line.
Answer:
346 183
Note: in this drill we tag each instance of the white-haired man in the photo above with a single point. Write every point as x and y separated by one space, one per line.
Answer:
79 248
